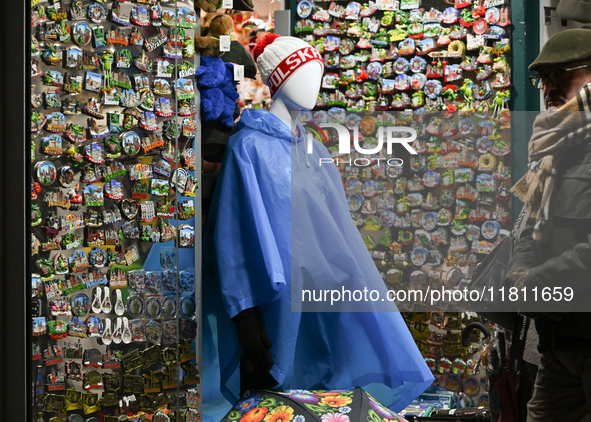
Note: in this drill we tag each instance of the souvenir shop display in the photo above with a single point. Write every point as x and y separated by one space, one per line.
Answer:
443 70
113 95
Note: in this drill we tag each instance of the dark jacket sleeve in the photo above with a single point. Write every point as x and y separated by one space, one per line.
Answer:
571 268
523 251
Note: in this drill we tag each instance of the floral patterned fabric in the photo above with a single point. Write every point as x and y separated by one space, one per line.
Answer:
306 406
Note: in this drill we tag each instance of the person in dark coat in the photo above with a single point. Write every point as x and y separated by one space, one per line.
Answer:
552 259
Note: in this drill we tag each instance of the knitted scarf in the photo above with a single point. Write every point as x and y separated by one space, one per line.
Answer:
554 133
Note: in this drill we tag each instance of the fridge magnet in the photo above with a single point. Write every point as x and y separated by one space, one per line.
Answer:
93 196
184 89
123 59
165 208
129 98
149 122
167 231
121 80
172 51
96 12
60 264
162 87
118 15
164 68
53 78
352 11
186 236
93 82
153 140
160 187
52 145
94 108
94 326
129 209
98 257
140 16
70 107
46 172
141 83
155 41
98 32
78 261
186 108
130 142
38 15
81 33
150 234
162 168
112 170
114 190
94 153
153 307
147 212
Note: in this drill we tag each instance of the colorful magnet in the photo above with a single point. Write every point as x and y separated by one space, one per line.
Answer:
80 305
418 256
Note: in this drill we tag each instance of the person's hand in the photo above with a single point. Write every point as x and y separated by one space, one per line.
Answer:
516 278
254 341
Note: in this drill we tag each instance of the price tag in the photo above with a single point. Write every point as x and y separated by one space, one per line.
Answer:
238 72
228 4
225 42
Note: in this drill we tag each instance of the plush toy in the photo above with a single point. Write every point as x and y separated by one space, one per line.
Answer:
215 80
209 43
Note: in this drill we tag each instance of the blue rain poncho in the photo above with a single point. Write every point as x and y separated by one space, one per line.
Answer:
279 217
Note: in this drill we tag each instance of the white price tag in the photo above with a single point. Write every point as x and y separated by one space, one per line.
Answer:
238 72
225 42
228 4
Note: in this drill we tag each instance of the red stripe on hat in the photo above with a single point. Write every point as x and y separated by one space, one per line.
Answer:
290 64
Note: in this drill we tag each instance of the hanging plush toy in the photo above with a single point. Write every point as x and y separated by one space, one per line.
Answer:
215 80
209 44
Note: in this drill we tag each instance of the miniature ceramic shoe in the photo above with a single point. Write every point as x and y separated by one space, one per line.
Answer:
126 335
118 332
106 305
97 301
119 307
107 332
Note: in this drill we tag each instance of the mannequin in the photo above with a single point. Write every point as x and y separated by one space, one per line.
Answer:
278 219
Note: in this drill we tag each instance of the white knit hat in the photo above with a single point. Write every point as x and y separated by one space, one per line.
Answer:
278 58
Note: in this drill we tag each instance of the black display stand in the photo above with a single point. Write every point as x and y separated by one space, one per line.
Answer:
14 146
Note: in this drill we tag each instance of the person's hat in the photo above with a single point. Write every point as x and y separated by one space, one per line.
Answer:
239 55
567 46
279 57
575 10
